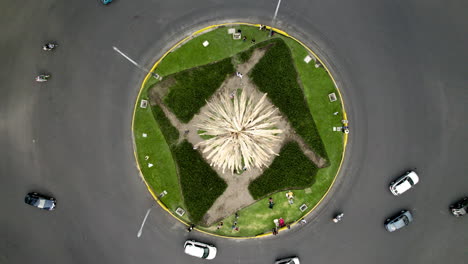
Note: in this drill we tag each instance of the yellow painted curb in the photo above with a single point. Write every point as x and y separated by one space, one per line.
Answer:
175 46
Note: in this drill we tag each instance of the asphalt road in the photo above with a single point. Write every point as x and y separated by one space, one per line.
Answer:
400 66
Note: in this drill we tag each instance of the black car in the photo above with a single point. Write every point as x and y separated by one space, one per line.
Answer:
460 208
40 201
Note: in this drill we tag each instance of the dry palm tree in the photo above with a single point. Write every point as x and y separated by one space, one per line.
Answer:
243 129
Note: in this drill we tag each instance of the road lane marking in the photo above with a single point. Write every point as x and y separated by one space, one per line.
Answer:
276 11
142 224
136 64
126 57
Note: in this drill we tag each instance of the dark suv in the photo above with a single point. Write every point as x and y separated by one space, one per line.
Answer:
40 201
460 208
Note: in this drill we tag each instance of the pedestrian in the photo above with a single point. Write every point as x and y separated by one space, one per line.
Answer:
236 215
289 226
275 231
219 225
252 41
270 203
234 225
239 75
244 38
290 197
186 132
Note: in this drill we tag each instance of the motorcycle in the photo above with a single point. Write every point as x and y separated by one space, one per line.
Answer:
338 218
42 78
49 46
190 228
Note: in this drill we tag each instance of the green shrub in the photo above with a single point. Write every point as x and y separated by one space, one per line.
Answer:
276 75
201 186
171 134
290 170
194 86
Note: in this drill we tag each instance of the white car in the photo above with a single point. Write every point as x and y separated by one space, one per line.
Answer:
199 250
404 183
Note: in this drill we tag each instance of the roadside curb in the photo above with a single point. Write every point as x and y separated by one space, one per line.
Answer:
198 32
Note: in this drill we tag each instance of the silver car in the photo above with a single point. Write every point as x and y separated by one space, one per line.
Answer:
398 222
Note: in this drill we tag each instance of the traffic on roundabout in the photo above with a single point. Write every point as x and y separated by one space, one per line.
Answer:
296 140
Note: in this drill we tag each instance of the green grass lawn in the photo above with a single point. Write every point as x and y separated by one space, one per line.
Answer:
193 54
256 218
154 149
290 170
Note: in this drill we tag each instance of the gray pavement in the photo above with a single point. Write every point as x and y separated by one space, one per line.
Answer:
401 69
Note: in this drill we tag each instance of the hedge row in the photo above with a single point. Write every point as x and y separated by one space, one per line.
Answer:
276 75
290 170
201 186
194 86
170 133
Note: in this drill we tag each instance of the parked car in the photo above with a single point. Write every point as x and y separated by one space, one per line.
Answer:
40 201
293 260
460 208
399 221
199 249
404 183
